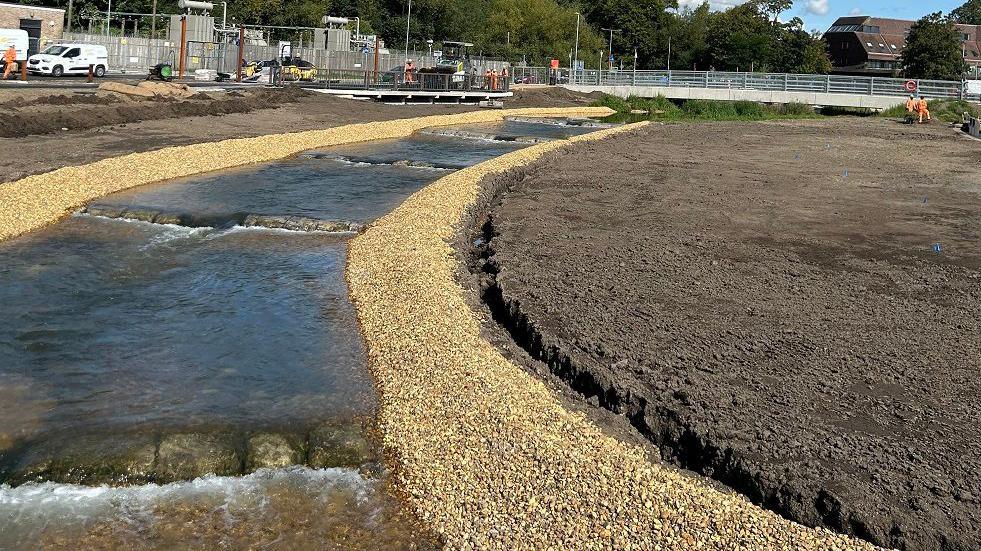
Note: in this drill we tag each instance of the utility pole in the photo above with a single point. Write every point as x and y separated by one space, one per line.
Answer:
153 20
575 55
69 15
408 18
611 43
669 54
108 13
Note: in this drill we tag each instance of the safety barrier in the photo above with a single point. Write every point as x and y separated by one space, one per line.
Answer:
348 79
774 82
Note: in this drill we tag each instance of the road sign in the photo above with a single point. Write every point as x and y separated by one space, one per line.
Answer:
910 85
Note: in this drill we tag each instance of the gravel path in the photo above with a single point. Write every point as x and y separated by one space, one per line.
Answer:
34 201
484 452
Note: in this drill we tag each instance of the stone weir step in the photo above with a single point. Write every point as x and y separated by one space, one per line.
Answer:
407 163
143 458
246 220
571 122
486 136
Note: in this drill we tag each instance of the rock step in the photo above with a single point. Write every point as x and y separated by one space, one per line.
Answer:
471 135
189 455
191 220
372 161
582 123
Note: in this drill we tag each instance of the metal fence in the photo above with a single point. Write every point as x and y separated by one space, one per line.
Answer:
824 84
351 79
136 55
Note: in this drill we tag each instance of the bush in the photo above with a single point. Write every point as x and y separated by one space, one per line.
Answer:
796 110
618 104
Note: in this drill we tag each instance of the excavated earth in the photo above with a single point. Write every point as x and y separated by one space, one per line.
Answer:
790 308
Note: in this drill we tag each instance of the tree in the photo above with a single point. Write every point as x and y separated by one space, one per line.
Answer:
969 13
801 52
933 50
742 38
643 25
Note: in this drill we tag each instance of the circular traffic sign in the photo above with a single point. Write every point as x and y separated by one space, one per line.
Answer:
910 86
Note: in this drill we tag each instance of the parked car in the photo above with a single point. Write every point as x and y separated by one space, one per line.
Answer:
70 59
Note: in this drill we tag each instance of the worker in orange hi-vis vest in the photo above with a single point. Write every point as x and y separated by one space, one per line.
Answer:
494 79
911 104
9 58
923 109
554 77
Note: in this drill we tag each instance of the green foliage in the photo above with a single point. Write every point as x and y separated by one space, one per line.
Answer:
796 110
969 13
615 103
933 50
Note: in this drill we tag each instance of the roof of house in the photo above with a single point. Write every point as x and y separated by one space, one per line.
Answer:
889 42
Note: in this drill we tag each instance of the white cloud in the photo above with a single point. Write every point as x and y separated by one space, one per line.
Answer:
855 11
817 7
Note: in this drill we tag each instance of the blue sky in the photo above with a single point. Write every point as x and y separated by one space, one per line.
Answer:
819 14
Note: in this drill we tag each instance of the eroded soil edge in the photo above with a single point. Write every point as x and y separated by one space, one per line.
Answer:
697 446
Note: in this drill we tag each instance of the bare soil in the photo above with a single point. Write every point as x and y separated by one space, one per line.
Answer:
765 304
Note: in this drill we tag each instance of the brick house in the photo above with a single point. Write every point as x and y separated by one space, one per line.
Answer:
871 46
43 25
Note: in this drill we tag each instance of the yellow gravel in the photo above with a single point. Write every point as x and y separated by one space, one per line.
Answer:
36 201
485 454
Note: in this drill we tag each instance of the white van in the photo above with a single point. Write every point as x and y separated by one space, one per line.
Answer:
70 59
16 37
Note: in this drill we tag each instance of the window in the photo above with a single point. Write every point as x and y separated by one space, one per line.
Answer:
893 46
965 37
74 52
844 45
55 50
871 29
870 44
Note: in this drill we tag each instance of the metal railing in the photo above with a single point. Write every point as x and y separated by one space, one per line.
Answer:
822 84
352 79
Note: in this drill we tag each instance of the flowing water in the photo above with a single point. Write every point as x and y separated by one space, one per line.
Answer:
152 354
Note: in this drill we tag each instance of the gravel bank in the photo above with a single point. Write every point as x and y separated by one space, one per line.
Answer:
768 310
485 454
35 201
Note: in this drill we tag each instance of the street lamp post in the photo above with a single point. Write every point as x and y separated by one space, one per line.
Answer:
611 43
407 19
575 55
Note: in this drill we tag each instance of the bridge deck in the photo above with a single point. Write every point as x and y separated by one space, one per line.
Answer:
734 94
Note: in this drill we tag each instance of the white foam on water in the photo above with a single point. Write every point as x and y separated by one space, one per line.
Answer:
262 229
166 232
30 511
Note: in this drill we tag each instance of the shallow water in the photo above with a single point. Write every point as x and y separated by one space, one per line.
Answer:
120 335
288 508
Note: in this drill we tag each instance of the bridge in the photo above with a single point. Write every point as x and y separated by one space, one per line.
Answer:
821 90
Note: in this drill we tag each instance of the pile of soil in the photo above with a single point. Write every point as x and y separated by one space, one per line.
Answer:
57 113
790 308
551 96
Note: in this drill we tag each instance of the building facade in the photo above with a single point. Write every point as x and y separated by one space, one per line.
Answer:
872 46
43 25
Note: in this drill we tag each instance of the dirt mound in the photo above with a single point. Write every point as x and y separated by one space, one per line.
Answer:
791 309
550 96
56 113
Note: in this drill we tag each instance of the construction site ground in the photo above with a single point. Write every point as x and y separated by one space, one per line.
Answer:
790 308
